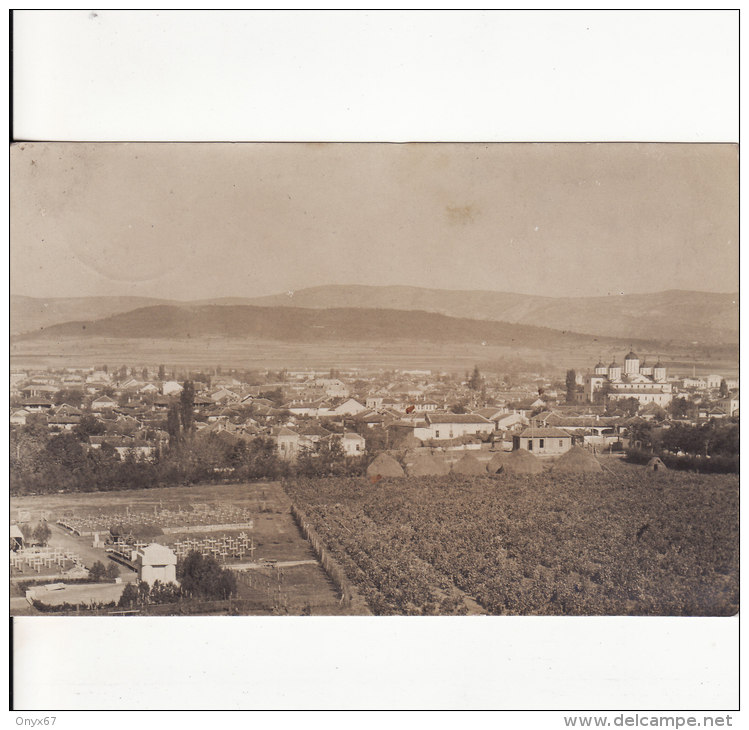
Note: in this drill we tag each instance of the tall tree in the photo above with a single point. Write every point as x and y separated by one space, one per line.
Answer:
187 404
172 424
723 388
474 382
571 384
162 372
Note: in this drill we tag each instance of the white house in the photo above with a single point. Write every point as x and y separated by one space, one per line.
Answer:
374 401
713 380
353 444
287 442
543 440
452 425
170 387
350 407
103 403
510 421
18 418
426 406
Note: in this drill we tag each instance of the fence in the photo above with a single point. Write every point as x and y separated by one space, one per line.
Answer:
331 567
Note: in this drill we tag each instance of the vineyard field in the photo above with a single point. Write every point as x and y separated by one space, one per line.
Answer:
625 542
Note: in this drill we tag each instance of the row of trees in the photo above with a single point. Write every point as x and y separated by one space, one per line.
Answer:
40 463
714 438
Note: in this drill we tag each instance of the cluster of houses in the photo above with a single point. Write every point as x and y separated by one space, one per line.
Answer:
301 411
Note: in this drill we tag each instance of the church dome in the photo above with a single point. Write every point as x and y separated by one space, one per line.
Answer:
614 364
631 356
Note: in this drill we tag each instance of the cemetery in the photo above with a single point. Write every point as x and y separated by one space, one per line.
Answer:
247 527
44 561
180 518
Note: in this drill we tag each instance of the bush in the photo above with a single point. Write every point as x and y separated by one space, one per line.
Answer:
201 576
129 597
97 571
713 465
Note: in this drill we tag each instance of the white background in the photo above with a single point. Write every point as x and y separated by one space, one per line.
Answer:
380 76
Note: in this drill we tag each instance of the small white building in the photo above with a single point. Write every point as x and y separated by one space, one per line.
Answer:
171 387
103 403
18 418
156 562
350 407
353 444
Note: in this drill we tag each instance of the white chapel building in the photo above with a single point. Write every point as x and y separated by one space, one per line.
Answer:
646 383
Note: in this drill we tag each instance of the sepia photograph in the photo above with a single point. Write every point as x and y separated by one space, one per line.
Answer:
330 379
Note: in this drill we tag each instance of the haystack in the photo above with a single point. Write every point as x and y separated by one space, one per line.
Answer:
521 461
497 462
469 465
655 464
576 461
427 466
384 466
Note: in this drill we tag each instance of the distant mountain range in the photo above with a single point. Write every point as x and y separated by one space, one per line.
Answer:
668 316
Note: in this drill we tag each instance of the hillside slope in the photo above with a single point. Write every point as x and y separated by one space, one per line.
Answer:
669 315
312 325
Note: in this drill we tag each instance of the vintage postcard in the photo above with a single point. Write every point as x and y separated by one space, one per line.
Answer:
374 379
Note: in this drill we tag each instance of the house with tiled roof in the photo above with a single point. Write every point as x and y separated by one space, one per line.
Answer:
37 405
103 403
19 416
287 442
353 444
444 426
541 440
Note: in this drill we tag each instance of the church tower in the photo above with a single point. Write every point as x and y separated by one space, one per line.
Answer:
615 371
631 364
659 372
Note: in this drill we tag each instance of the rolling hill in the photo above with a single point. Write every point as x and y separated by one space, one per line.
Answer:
668 316
685 316
292 324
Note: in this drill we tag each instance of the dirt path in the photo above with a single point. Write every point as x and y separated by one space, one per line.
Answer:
279 564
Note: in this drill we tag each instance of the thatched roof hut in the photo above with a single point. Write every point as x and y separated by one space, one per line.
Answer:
427 466
384 466
576 461
655 464
469 465
521 461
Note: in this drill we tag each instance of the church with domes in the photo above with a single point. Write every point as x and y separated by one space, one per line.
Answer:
646 383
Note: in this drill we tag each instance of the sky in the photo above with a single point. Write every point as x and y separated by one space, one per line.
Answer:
195 221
